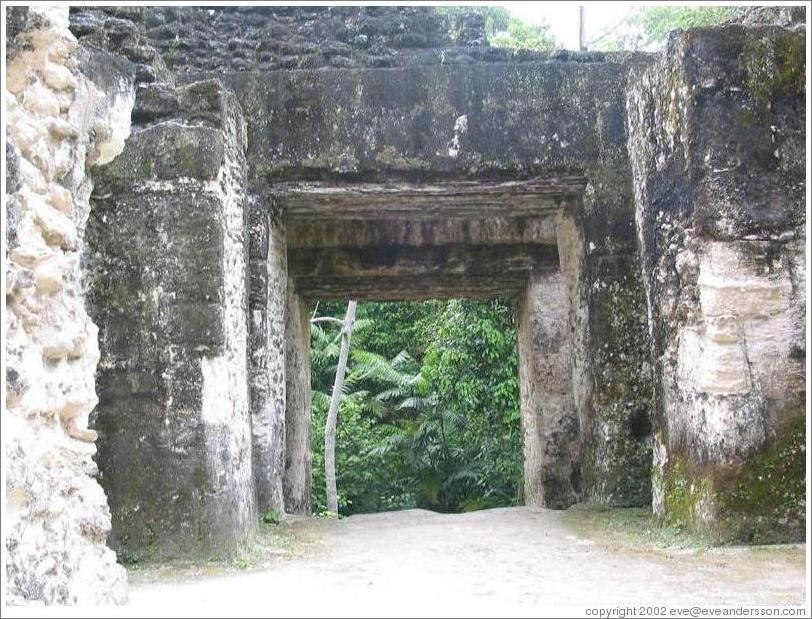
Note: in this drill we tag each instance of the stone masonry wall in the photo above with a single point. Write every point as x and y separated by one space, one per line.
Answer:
717 141
270 38
169 292
431 124
67 109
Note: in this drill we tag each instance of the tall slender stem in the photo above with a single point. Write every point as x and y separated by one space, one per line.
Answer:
332 413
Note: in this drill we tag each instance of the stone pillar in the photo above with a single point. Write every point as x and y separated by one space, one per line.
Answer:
717 141
60 121
167 280
549 420
298 480
610 371
267 300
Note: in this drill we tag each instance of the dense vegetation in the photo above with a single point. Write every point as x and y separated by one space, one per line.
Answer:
430 413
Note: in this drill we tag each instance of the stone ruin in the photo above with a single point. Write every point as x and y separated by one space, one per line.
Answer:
183 181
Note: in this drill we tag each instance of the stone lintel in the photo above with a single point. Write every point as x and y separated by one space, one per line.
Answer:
416 288
400 273
497 230
440 201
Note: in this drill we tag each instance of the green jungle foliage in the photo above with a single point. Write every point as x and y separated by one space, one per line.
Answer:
648 27
430 412
641 28
505 30
658 21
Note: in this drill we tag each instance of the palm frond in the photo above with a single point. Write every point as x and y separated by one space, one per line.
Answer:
417 403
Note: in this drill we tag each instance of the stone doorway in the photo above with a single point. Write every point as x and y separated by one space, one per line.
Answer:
449 240
233 238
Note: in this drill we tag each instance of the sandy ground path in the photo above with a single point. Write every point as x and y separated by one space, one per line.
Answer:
503 562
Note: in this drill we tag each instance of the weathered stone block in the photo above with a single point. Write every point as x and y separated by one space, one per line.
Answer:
268 275
258 231
155 102
167 151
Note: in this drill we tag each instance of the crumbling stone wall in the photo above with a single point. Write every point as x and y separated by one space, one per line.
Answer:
68 109
228 39
717 141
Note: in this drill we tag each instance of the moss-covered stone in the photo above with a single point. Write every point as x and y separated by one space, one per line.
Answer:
165 151
617 467
716 141
390 158
766 502
686 494
763 501
774 66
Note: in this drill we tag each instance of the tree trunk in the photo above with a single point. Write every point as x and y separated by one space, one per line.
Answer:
332 413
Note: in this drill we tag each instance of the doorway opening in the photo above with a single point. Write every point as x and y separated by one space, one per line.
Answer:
430 412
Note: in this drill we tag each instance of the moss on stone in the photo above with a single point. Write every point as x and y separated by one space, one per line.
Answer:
773 67
767 500
188 163
684 494
790 78
389 157
631 527
764 502
618 455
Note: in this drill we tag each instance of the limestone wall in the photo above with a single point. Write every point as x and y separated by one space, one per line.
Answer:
717 142
67 109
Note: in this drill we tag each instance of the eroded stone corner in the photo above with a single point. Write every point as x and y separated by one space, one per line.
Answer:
62 118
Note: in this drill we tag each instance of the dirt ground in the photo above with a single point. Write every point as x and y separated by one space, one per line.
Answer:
503 562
